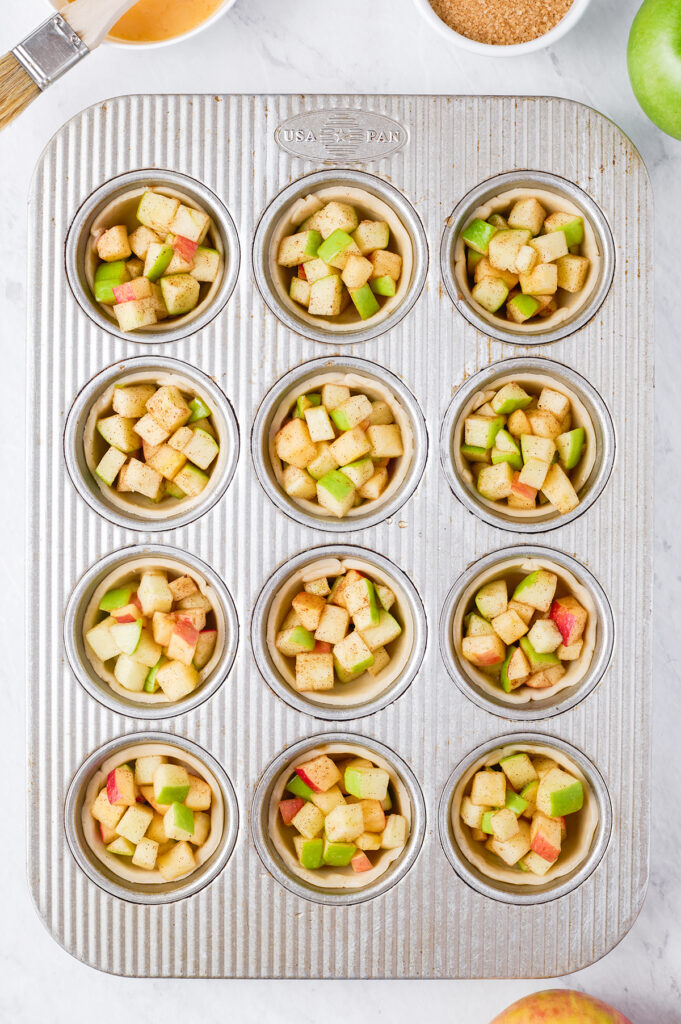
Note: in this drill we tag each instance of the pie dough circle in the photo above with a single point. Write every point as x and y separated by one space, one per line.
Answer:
118 576
575 670
93 450
330 877
376 391
580 418
369 207
576 847
117 865
571 304
366 687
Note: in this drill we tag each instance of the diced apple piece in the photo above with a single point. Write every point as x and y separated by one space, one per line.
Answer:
544 636
385 264
527 213
132 316
483 651
537 589
488 788
559 793
509 626
492 599
550 247
113 244
371 235
545 838
314 672
320 774
129 673
344 823
518 769
504 824
544 424
145 767
177 862
490 293
494 482
180 293
570 652
294 445
191 480
145 854
505 246
570 618
135 823
541 280
326 296
190 223
395 833
335 492
559 490
514 848
177 680
207 264
375 485
572 272
333 624
351 657
105 812
383 633
205 646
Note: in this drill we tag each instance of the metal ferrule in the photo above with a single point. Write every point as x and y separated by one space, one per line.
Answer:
51 50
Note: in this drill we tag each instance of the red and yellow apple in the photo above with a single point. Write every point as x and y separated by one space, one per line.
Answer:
560 1006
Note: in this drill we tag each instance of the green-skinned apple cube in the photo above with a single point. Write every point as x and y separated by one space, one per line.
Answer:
509 626
395 833
344 823
375 486
335 493
335 244
478 235
326 296
515 670
360 594
110 465
305 402
473 453
490 293
351 657
113 245
559 490
384 286
509 398
559 793
191 480
481 431
299 291
359 472
323 462
497 221
121 847
157 260
492 599
550 247
178 822
385 440
527 213
570 446
366 783
521 308
299 484
537 589
129 673
296 249
386 264
319 424
118 431
338 855
505 442
385 596
572 272
168 407
107 277
513 459
117 598
351 412
382 634
171 784
309 852
537 660
504 824
207 265
201 449
511 851
127 635
516 803
295 640
180 293
571 225
365 301
371 235
173 491
475 625
294 445
333 625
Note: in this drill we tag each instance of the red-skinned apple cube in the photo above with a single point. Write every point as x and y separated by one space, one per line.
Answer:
570 618
545 837
120 786
360 862
319 774
289 808
183 641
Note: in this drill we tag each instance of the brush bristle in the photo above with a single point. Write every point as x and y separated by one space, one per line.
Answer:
17 89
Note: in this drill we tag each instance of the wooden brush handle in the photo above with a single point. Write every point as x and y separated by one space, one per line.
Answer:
92 19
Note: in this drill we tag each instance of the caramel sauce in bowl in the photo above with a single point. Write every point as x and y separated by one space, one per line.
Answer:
158 22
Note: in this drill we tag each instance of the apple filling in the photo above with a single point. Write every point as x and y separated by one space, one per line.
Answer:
338 447
154 817
339 813
529 639
527 446
152 632
337 260
161 443
521 265
337 629
154 265
521 808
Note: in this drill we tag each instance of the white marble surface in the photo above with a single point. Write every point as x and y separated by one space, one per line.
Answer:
308 45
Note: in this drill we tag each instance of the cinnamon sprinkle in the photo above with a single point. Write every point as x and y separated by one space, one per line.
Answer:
501 22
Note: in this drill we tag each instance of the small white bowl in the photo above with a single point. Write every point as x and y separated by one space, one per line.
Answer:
155 44
515 50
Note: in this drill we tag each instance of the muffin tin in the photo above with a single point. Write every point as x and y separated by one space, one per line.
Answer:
430 156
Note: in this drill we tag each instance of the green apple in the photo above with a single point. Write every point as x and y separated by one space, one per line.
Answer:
299 788
117 598
514 459
492 599
490 293
336 493
171 784
515 802
486 823
123 847
505 681
569 446
158 259
571 226
338 855
474 453
332 246
151 683
127 635
366 783
509 398
107 277
178 822
304 402
522 307
519 770
559 793
654 62
199 410
365 301
478 235
173 491
537 661
384 285
310 852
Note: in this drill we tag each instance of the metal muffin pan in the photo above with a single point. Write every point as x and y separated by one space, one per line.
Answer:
74 642
149 894
74 453
434 151
308 185
496 514
593 214
564 699
305 702
336 897
372 512
116 188
525 895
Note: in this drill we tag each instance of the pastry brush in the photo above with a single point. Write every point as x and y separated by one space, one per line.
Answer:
53 48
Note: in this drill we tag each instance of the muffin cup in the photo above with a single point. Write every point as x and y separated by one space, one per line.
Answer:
583 855
554 193
589 410
581 677
82 449
115 202
378 383
374 199
363 696
280 860
80 615
111 874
